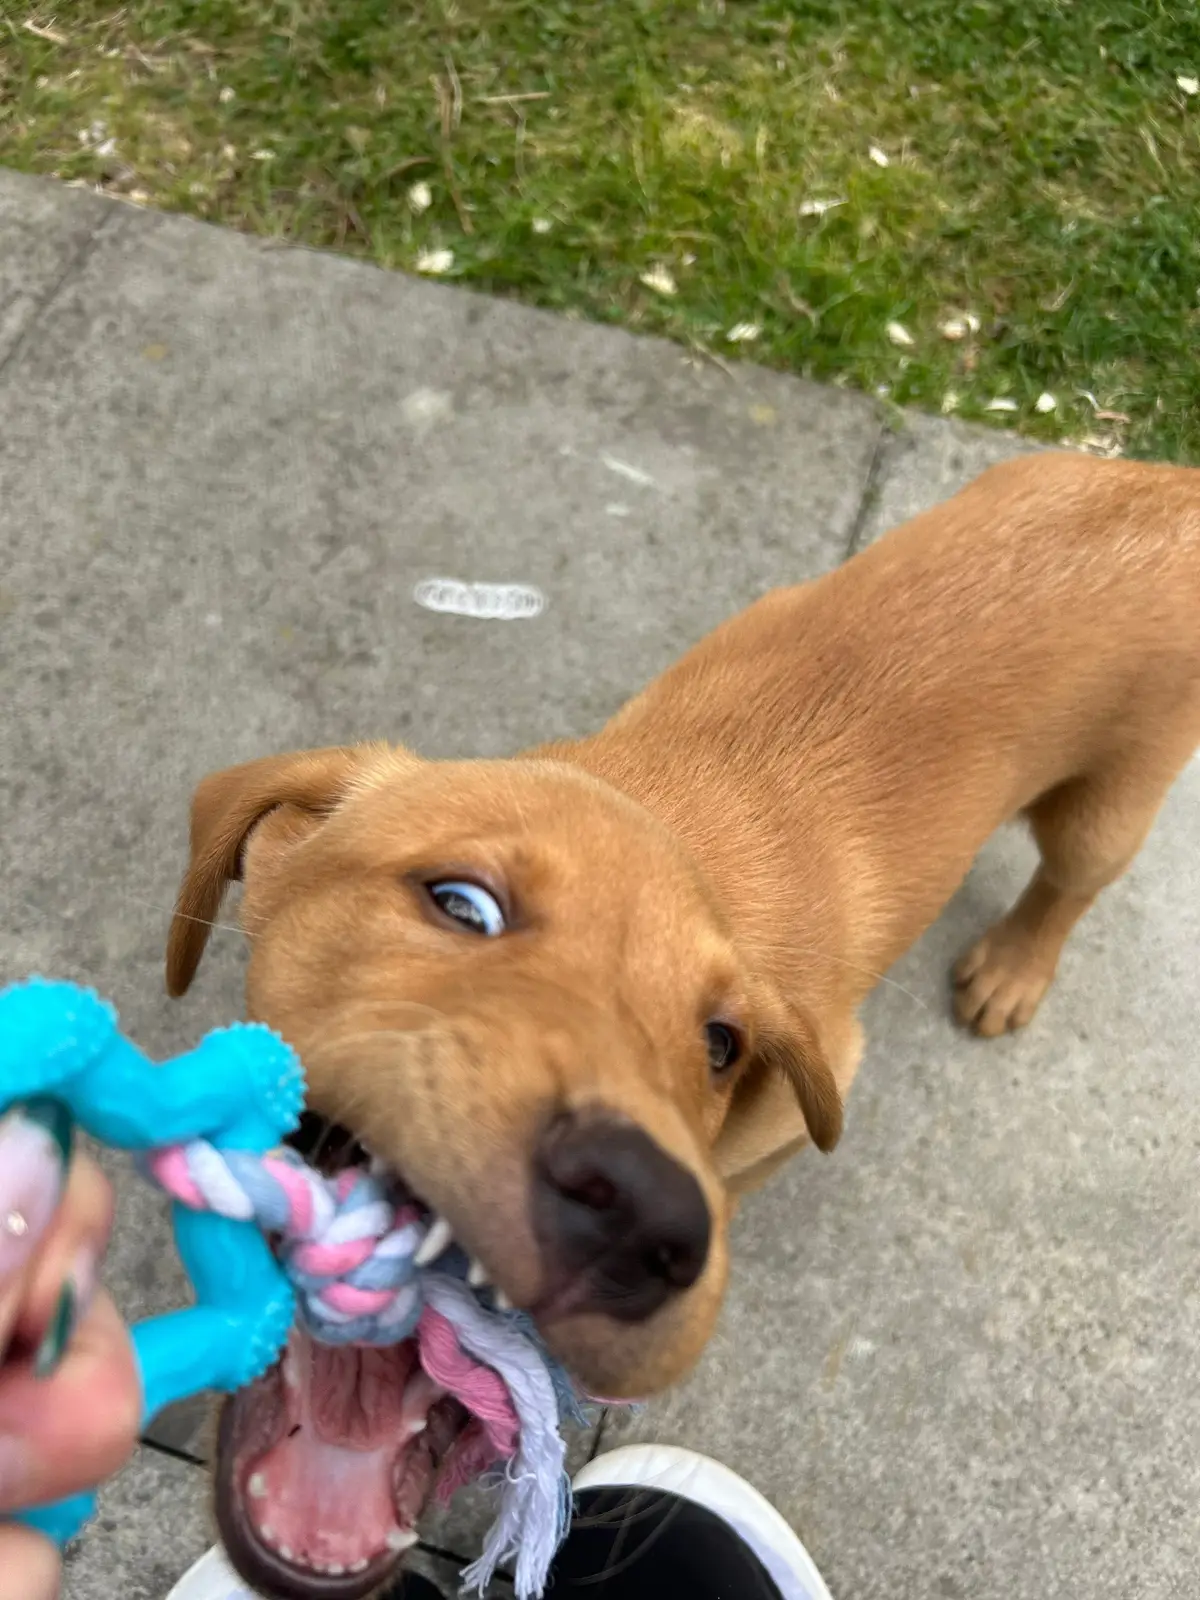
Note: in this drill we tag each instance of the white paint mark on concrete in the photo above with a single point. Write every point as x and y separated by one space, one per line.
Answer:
624 470
492 602
427 405
615 509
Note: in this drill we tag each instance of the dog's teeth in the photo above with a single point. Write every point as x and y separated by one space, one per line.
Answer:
359 1566
257 1486
285 1550
267 1533
477 1274
503 1303
435 1243
398 1541
335 1569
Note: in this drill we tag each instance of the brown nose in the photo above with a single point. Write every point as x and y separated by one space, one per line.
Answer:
623 1225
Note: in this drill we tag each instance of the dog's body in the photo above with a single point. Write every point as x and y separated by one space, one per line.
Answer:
836 755
745 847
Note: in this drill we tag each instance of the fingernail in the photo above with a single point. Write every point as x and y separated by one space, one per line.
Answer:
36 1136
70 1311
14 1472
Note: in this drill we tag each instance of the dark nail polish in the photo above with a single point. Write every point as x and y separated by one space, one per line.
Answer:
72 1306
57 1336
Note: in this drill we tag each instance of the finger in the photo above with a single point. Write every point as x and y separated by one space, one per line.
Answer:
35 1152
59 1284
72 1431
29 1565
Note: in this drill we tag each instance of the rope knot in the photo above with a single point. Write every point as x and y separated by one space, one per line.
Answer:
349 1245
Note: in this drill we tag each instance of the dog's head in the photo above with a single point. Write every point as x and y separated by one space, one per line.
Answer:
512 984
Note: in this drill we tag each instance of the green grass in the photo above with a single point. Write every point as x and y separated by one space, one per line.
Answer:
1043 171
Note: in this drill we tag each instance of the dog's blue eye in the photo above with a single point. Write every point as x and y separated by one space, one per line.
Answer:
724 1047
472 907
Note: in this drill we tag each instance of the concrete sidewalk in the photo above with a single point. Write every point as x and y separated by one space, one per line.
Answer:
961 1355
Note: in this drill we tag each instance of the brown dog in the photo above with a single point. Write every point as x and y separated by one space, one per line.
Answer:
578 998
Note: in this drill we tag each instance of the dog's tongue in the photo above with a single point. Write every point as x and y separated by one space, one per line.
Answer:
328 1494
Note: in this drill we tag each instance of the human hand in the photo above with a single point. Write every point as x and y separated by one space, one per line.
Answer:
69 1390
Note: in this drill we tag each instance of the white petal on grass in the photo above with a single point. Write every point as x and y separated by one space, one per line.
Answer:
743 333
1002 403
817 207
435 262
660 280
262 155
959 326
1189 85
420 197
541 224
899 335
878 156
226 95
949 401
1045 402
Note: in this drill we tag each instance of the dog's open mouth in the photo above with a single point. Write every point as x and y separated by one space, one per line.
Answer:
326 1463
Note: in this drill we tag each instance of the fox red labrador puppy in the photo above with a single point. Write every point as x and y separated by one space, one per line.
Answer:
581 998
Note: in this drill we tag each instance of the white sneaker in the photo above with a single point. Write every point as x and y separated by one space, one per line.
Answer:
212 1578
735 1541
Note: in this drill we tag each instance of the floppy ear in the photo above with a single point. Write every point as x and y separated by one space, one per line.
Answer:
795 1051
227 806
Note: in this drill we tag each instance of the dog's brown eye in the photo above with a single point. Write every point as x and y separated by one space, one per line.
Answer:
724 1047
470 905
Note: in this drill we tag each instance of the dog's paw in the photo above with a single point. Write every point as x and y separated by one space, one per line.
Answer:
999 983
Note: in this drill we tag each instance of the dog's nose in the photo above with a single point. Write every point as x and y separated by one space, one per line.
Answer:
623 1224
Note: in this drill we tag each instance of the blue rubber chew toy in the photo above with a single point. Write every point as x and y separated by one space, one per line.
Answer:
241 1088
363 1268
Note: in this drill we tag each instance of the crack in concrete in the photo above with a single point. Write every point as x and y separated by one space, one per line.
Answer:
870 493
71 270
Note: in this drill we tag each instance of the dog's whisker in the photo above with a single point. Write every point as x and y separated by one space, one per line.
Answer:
618 1563
867 972
186 916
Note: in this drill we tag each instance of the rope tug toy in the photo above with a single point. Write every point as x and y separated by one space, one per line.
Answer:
351 1258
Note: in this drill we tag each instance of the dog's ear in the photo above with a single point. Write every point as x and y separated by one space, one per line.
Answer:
794 1051
228 806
